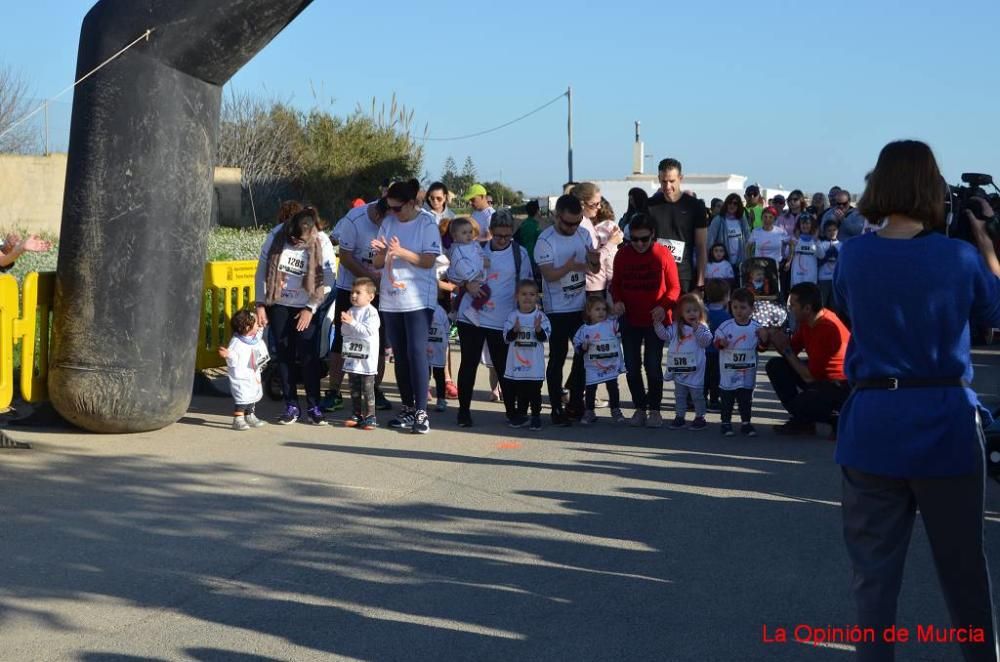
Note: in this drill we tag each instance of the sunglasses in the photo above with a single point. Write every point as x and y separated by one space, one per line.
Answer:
395 208
641 240
592 205
843 204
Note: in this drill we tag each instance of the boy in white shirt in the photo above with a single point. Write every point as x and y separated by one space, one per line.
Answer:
526 330
737 340
245 357
829 250
359 327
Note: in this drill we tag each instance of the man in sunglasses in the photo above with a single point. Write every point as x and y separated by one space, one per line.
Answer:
564 254
644 287
850 220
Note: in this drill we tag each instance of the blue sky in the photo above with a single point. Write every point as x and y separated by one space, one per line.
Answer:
798 94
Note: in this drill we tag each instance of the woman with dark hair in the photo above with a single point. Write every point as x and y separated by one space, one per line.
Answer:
406 247
436 202
731 228
638 200
909 435
508 263
796 205
294 274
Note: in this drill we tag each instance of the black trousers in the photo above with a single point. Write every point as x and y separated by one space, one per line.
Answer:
633 340
525 393
742 397
564 327
295 346
471 338
816 402
713 376
614 395
878 517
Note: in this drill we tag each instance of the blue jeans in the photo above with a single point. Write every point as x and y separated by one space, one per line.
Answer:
407 334
633 337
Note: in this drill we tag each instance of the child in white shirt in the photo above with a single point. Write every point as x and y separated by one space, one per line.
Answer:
718 266
687 337
359 326
737 340
437 353
468 264
803 259
829 251
526 330
599 341
245 357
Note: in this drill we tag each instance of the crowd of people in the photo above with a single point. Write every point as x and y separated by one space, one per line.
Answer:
668 294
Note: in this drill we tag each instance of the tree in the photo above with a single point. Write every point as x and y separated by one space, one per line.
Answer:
462 182
504 195
449 175
15 103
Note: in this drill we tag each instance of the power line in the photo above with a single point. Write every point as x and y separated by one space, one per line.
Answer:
502 126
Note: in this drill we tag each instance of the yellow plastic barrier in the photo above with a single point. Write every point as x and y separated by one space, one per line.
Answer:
32 330
9 306
228 289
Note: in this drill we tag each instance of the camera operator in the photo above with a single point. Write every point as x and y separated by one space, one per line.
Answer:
978 220
909 434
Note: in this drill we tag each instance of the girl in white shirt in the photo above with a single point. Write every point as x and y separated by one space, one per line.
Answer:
718 266
686 338
526 330
245 357
599 341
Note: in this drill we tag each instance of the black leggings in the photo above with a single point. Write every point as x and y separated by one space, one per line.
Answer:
244 410
525 393
439 382
407 333
471 339
564 327
743 397
292 346
614 396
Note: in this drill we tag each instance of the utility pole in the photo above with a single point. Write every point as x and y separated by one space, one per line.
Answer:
569 130
46 128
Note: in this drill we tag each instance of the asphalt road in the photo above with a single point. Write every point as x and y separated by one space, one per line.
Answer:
323 543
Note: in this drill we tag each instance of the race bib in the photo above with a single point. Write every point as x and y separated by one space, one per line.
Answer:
293 262
572 283
260 355
805 249
368 257
525 339
434 335
603 350
675 246
680 363
733 363
357 348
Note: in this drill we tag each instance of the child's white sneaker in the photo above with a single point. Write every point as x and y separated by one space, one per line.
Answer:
240 423
254 422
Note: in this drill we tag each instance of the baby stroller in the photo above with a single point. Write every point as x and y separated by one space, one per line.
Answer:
760 274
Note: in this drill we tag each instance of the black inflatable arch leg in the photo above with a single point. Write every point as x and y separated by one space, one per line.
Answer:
138 203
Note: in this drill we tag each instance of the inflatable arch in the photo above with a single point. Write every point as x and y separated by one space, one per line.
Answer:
138 203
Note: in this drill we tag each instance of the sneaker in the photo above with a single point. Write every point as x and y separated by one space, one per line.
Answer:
381 402
315 416
698 423
290 416
536 423
518 422
714 406
441 405
369 423
678 423
638 419
617 416
654 420
420 423
560 419
588 418
355 421
332 402
255 422
747 430
464 418
403 420
727 430
794 428
453 335
574 414
600 404
451 390
240 423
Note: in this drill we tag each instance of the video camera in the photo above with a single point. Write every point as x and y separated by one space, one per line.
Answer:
960 199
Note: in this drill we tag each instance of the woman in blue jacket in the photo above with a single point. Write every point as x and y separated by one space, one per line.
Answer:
909 434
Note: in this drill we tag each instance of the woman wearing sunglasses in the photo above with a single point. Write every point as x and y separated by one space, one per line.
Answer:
406 247
644 286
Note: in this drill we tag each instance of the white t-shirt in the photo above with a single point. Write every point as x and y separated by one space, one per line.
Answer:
466 262
293 265
685 352
483 218
568 294
437 338
805 261
502 280
405 287
830 262
769 243
738 361
602 360
355 232
526 355
721 269
247 357
734 239
360 348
